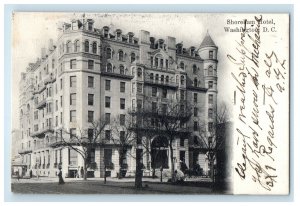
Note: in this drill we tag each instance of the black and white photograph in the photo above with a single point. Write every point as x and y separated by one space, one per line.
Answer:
150 103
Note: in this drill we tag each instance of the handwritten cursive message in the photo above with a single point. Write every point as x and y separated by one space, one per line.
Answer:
261 79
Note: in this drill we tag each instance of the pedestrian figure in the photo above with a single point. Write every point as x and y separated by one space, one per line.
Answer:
18 175
60 178
78 172
81 172
37 173
30 173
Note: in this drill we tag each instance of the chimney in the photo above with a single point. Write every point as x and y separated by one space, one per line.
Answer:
43 53
50 45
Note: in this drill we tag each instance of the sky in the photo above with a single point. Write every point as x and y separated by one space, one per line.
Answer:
31 32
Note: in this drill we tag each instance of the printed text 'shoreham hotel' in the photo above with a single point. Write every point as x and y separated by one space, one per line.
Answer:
89 73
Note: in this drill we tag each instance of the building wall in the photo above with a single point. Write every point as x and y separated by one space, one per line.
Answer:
46 88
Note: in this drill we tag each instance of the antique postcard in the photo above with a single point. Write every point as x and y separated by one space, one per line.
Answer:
150 103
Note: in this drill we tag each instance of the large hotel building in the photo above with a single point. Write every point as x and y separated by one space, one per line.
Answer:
92 72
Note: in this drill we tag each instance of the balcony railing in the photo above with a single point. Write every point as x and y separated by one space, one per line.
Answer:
42 132
160 83
115 74
41 104
25 151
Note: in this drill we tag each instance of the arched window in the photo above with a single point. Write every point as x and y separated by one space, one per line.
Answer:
132 58
139 72
68 46
181 65
194 69
195 82
121 55
151 76
94 47
182 79
108 53
156 77
86 46
167 79
210 71
122 70
109 67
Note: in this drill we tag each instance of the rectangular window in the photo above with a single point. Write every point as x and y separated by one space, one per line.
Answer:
107 134
139 88
195 112
73 99
195 126
72 115
72 133
53 63
50 107
154 91
151 61
36 115
164 108
122 136
122 119
122 87
211 55
91 99
73 64
156 62
56 121
122 103
90 82
90 116
154 106
107 102
61 101
167 63
181 95
107 156
107 118
90 133
195 97
210 126
210 84
139 103
181 142
90 64
56 105
61 84
61 117
210 113
73 81
73 157
164 93
107 85
210 99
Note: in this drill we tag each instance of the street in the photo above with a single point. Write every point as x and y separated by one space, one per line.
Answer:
97 186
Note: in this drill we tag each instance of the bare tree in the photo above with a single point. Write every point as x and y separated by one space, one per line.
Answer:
209 133
122 138
83 141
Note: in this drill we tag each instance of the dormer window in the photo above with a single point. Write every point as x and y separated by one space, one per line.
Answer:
161 43
119 33
90 26
130 37
105 31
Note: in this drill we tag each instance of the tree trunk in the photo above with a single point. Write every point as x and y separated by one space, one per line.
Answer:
85 170
172 162
121 156
139 172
